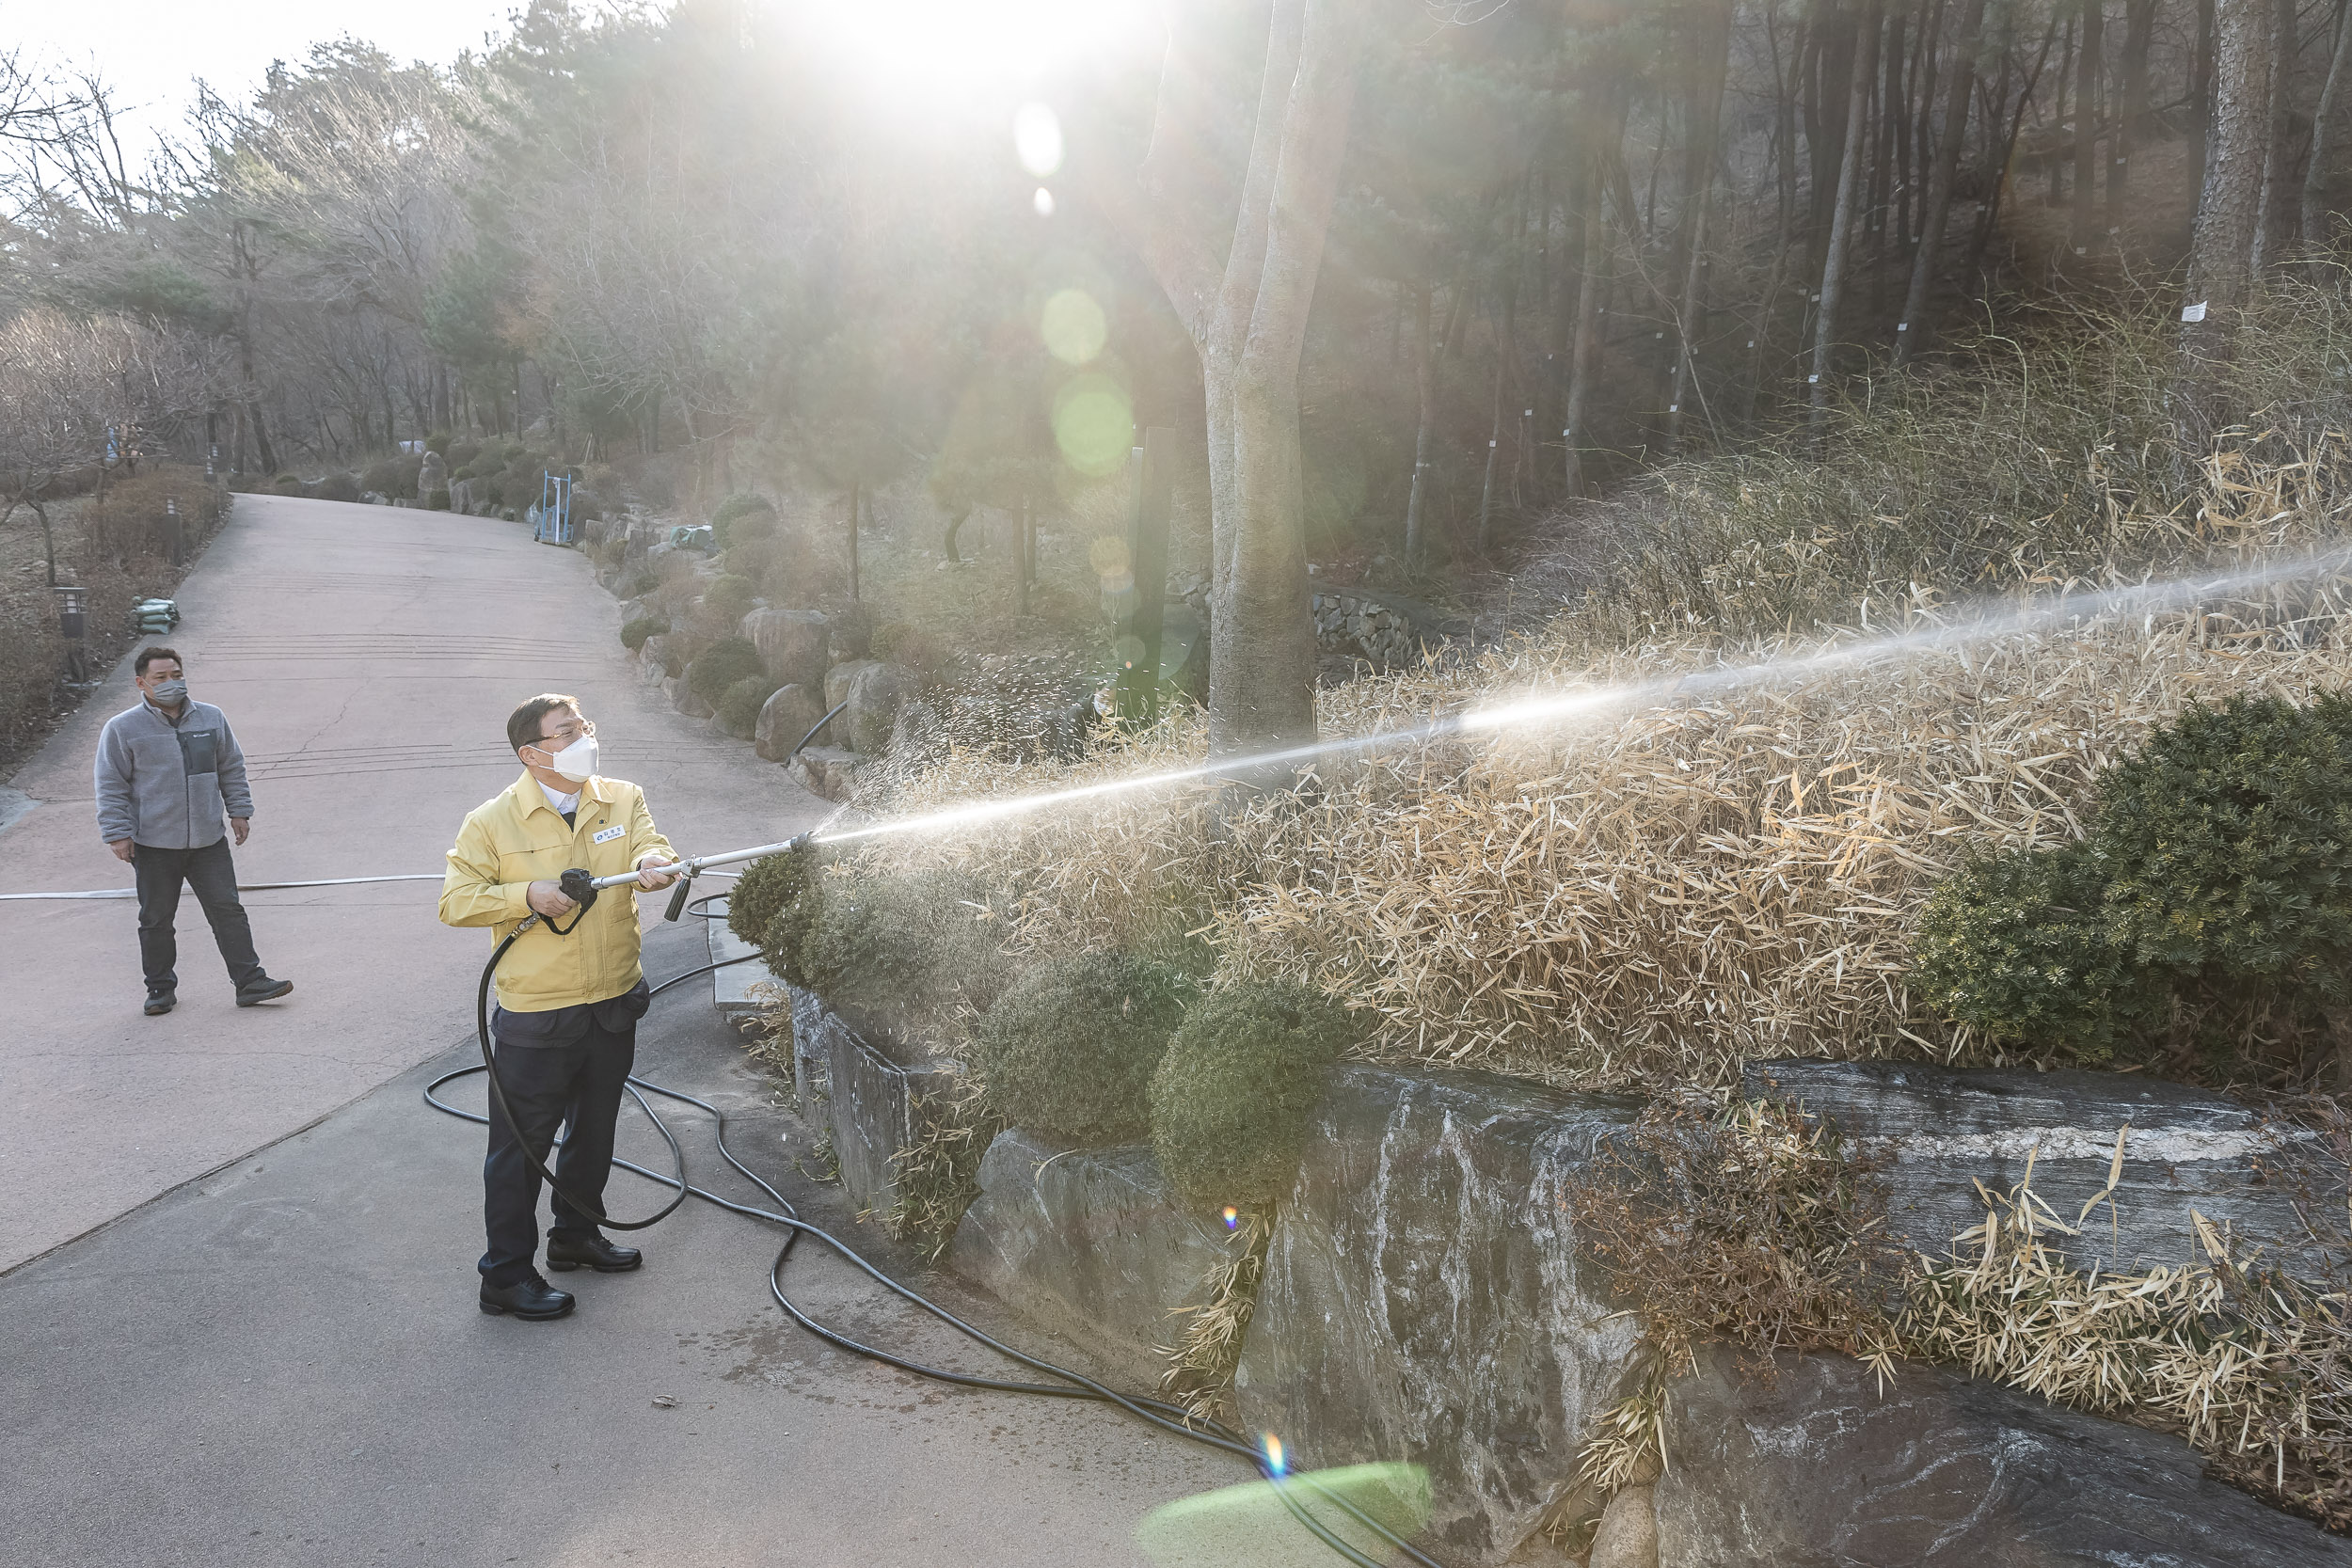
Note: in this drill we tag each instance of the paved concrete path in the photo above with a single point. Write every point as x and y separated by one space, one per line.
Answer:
367 657
279 1360
282 1365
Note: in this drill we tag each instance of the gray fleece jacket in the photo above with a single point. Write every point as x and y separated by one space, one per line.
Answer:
167 786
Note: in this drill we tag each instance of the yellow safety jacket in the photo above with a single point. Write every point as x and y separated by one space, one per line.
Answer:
517 839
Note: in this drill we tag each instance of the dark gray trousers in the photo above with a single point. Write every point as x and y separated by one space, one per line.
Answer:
213 874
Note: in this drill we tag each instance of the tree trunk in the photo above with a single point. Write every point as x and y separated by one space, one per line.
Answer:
1425 383
1582 353
1714 51
1912 328
2200 139
2317 176
1494 449
1247 321
2270 219
260 438
2139 28
2088 67
48 541
853 593
2221 248
1841 216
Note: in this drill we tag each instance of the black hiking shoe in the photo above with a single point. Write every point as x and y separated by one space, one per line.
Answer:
260 990
161 1002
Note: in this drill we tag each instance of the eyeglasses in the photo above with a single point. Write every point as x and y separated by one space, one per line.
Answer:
566 735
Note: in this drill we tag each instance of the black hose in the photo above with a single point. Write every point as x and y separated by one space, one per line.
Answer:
1168 1418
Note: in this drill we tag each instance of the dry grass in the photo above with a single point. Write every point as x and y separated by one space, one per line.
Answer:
1201 1362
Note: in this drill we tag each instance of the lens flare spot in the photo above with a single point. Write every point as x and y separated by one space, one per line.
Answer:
1233 1218
1093 424
1037 139
1274 1462
1074 327
1044 202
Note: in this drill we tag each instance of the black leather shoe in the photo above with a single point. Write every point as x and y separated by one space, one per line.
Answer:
530 1298
567 1253
161 1002
260 990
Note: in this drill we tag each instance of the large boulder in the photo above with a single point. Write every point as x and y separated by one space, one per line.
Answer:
685 698
876 695
1424 1298
788 714
1947 1128
1091 1244
792 643
876 1106
431 474
1815 1467
654 658
837 680
826 770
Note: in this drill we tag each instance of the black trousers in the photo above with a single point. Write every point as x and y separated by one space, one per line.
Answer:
566 1068
213 874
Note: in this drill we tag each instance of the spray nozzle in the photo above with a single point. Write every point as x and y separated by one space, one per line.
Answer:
578 886
801 842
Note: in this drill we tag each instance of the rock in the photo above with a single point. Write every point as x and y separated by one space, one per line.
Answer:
876 695
1949 1128
371 497
1818 1470
788 714
1087 1242
874 1106
792 643
1424 1299
462 495
1627 1536
826 770
684 698
432 473
654 656
838 681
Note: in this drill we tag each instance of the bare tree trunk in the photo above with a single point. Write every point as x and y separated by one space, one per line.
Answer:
1425 382
2140 26
2089 68
2056 195
2318 176
853 593
1021 557
2269 219
1587 347
1784 160
1841 216
2200 139
1957 92
1713 50
2229 212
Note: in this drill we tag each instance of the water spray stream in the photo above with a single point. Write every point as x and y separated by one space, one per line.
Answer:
1992 620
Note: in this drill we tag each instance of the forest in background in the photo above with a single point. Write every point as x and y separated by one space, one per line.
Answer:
1567 242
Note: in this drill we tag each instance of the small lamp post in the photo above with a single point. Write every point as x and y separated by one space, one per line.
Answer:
73 626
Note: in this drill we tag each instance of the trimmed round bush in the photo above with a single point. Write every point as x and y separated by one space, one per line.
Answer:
634 634
338 488
739 705
438 502
1230 1099
901 955
720 666
741 517
381 476
2015 946
729 598
287 485
1071 1047
766 886
438 441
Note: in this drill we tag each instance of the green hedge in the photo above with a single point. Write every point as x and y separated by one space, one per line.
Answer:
720 666
741 517
1230 1099
729 598
633 635
739 705
1071 1047
902 956
2210 905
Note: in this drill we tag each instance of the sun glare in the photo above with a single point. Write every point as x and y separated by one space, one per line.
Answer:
973 41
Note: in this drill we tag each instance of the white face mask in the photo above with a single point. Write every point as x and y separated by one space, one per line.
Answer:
576 762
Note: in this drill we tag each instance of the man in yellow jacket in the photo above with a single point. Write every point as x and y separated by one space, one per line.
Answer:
569 992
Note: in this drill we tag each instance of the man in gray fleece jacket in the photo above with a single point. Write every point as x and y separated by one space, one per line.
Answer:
171 790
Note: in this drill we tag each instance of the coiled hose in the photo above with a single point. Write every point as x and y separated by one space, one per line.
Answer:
1070 1385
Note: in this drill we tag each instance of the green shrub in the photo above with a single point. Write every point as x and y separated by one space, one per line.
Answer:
2015 946
634 634
729 598
900 956
461 455
739 705
1071 1047
741 517
720 666
381 476
1231 1100
766 886
287 485
439 441
638 583
438 502
785 936
2209 904
338 488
